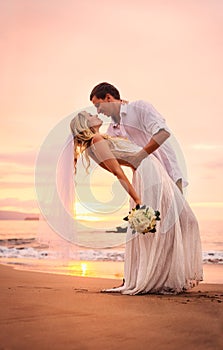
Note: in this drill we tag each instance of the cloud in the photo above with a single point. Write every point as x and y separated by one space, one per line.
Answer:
14 170
207 204
16 185
207 147
214 164
22 158
15 202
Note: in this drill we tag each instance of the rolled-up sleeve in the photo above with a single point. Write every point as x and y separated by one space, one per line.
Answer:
150 118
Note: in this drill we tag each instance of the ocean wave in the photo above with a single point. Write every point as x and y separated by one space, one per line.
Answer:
209 257
30 252
11 242
213 257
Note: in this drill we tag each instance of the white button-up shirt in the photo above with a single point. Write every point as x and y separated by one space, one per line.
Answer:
116 130
139 122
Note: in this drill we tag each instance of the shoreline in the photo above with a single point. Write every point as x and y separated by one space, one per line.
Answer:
213 273
43 311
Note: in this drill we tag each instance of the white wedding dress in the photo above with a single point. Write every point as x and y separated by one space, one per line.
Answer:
170 260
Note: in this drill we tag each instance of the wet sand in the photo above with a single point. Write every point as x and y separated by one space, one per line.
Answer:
48 311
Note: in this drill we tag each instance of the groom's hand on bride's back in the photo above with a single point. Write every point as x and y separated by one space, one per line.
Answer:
139 158
154 143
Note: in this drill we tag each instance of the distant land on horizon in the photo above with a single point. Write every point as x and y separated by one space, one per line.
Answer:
15 215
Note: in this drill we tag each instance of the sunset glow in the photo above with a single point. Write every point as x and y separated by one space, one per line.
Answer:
168 53
82 213
95 268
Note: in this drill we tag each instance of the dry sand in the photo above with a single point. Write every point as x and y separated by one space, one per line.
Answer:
46 311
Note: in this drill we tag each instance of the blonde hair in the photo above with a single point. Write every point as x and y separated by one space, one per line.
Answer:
82 136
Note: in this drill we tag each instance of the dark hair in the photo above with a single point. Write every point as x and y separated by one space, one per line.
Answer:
102 89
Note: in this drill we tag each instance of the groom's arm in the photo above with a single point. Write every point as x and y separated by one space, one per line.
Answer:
151 146
154 143
151 123
154 124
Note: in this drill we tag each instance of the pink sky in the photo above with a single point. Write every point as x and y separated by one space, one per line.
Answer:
167 52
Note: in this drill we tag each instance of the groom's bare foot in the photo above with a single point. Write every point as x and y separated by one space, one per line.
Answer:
121 285
112 290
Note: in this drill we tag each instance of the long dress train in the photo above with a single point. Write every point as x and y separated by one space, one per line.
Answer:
170 260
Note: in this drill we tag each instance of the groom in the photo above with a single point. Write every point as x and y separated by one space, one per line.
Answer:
142 124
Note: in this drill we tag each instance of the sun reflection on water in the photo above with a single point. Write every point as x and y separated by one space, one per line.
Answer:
103 269
84 269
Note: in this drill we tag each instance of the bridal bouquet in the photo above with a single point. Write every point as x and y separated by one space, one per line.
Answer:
143 219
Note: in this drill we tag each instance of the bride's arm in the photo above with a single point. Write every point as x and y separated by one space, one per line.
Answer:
105 158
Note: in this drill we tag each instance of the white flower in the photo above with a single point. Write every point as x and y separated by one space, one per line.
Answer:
143 220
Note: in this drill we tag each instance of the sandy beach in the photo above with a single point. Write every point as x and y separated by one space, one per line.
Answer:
48 311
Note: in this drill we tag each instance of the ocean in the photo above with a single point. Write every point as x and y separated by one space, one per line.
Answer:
22 246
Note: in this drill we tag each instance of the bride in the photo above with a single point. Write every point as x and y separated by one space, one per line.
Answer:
170 260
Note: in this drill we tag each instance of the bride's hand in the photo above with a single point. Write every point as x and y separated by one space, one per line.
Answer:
138 202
